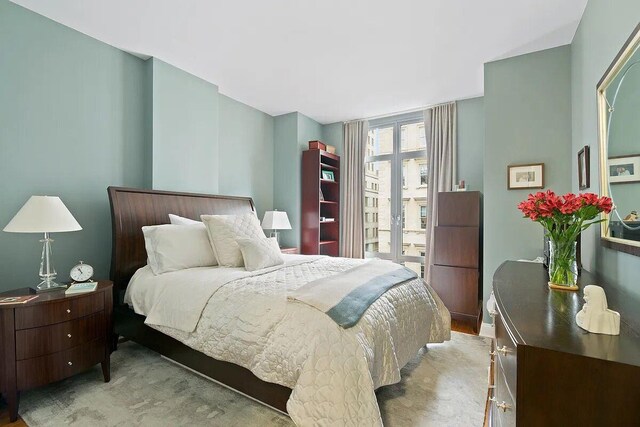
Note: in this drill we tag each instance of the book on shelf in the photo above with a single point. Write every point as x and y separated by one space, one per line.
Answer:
17 300
80 288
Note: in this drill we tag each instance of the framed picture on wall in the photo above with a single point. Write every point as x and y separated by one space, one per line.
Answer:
624 169
584 166
525 176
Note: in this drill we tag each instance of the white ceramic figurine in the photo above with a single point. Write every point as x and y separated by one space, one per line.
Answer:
595 316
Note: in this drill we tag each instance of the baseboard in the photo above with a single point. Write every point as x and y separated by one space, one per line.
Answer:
487 330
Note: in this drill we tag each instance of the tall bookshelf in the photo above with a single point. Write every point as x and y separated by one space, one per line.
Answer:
320 199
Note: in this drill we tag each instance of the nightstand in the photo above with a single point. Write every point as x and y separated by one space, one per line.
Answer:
53 337
290 250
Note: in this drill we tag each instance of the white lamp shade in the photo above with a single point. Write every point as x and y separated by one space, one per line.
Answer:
43 214
276 220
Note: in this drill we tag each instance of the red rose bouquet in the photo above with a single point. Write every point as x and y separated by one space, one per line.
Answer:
564 218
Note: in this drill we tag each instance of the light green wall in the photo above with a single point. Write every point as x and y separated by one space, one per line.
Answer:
333 134
527 106
291 135
185 131
77 115
605 26
470 122
247 150
71 123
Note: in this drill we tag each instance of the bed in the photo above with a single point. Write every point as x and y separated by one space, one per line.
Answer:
287 355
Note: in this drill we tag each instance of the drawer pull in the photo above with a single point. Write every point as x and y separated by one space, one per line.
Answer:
504 350
68 335
68 310
501 405
70 363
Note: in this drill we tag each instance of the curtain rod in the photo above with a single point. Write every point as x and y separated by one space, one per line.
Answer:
412 110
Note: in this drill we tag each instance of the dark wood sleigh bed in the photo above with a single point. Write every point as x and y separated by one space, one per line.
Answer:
131 209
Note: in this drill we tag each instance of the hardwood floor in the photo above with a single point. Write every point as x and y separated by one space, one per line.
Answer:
461 327
4 419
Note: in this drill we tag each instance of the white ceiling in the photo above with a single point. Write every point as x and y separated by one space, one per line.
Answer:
332 60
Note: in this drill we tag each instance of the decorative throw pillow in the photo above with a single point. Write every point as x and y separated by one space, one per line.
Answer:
225 229
180 220
260 253
176 247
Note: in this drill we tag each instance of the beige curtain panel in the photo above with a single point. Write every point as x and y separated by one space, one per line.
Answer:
440 132
352 221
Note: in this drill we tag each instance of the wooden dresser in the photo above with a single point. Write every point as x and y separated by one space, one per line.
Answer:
51 338
456 274
550 372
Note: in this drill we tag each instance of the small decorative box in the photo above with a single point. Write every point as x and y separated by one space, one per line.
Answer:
317 145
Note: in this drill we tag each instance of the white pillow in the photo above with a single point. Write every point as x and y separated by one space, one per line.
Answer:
176 247
225 229
260 253
180 220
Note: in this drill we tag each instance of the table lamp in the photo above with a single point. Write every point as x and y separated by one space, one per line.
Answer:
44 214
274 221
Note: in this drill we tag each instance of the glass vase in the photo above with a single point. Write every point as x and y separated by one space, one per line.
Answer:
563 268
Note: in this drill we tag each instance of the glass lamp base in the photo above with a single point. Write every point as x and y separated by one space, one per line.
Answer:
49 285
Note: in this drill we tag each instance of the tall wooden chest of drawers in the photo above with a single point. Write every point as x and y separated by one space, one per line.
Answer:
550 372
456 274
53 337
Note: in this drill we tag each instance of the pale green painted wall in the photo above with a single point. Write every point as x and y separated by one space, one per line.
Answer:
291 135
77 115
527 106
470 122
71 123
286 165
605 26
333 134
185 131
246 151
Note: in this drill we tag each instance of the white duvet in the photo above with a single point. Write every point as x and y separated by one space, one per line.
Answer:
248 320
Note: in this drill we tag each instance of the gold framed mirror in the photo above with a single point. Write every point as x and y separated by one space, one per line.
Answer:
618 94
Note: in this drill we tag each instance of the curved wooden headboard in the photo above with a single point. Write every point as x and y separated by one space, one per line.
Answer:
132 208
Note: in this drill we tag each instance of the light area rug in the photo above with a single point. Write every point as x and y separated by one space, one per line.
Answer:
444 385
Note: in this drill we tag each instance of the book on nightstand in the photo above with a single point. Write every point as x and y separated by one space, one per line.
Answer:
80 288
17 300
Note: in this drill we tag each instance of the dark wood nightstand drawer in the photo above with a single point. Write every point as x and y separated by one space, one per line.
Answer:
37 342
60 311
54 367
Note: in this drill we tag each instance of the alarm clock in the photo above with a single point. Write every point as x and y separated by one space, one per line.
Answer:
81 272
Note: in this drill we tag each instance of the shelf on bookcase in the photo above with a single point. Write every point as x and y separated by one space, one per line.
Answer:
327 166
328 242
329 202
328 181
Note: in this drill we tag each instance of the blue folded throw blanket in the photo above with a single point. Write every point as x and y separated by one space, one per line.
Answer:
345 297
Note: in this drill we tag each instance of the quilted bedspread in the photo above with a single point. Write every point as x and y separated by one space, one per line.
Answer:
332 371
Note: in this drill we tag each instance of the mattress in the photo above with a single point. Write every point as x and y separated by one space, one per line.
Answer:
333 372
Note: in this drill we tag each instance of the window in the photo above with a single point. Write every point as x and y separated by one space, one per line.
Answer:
423 174
423 216
404 175
396 159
